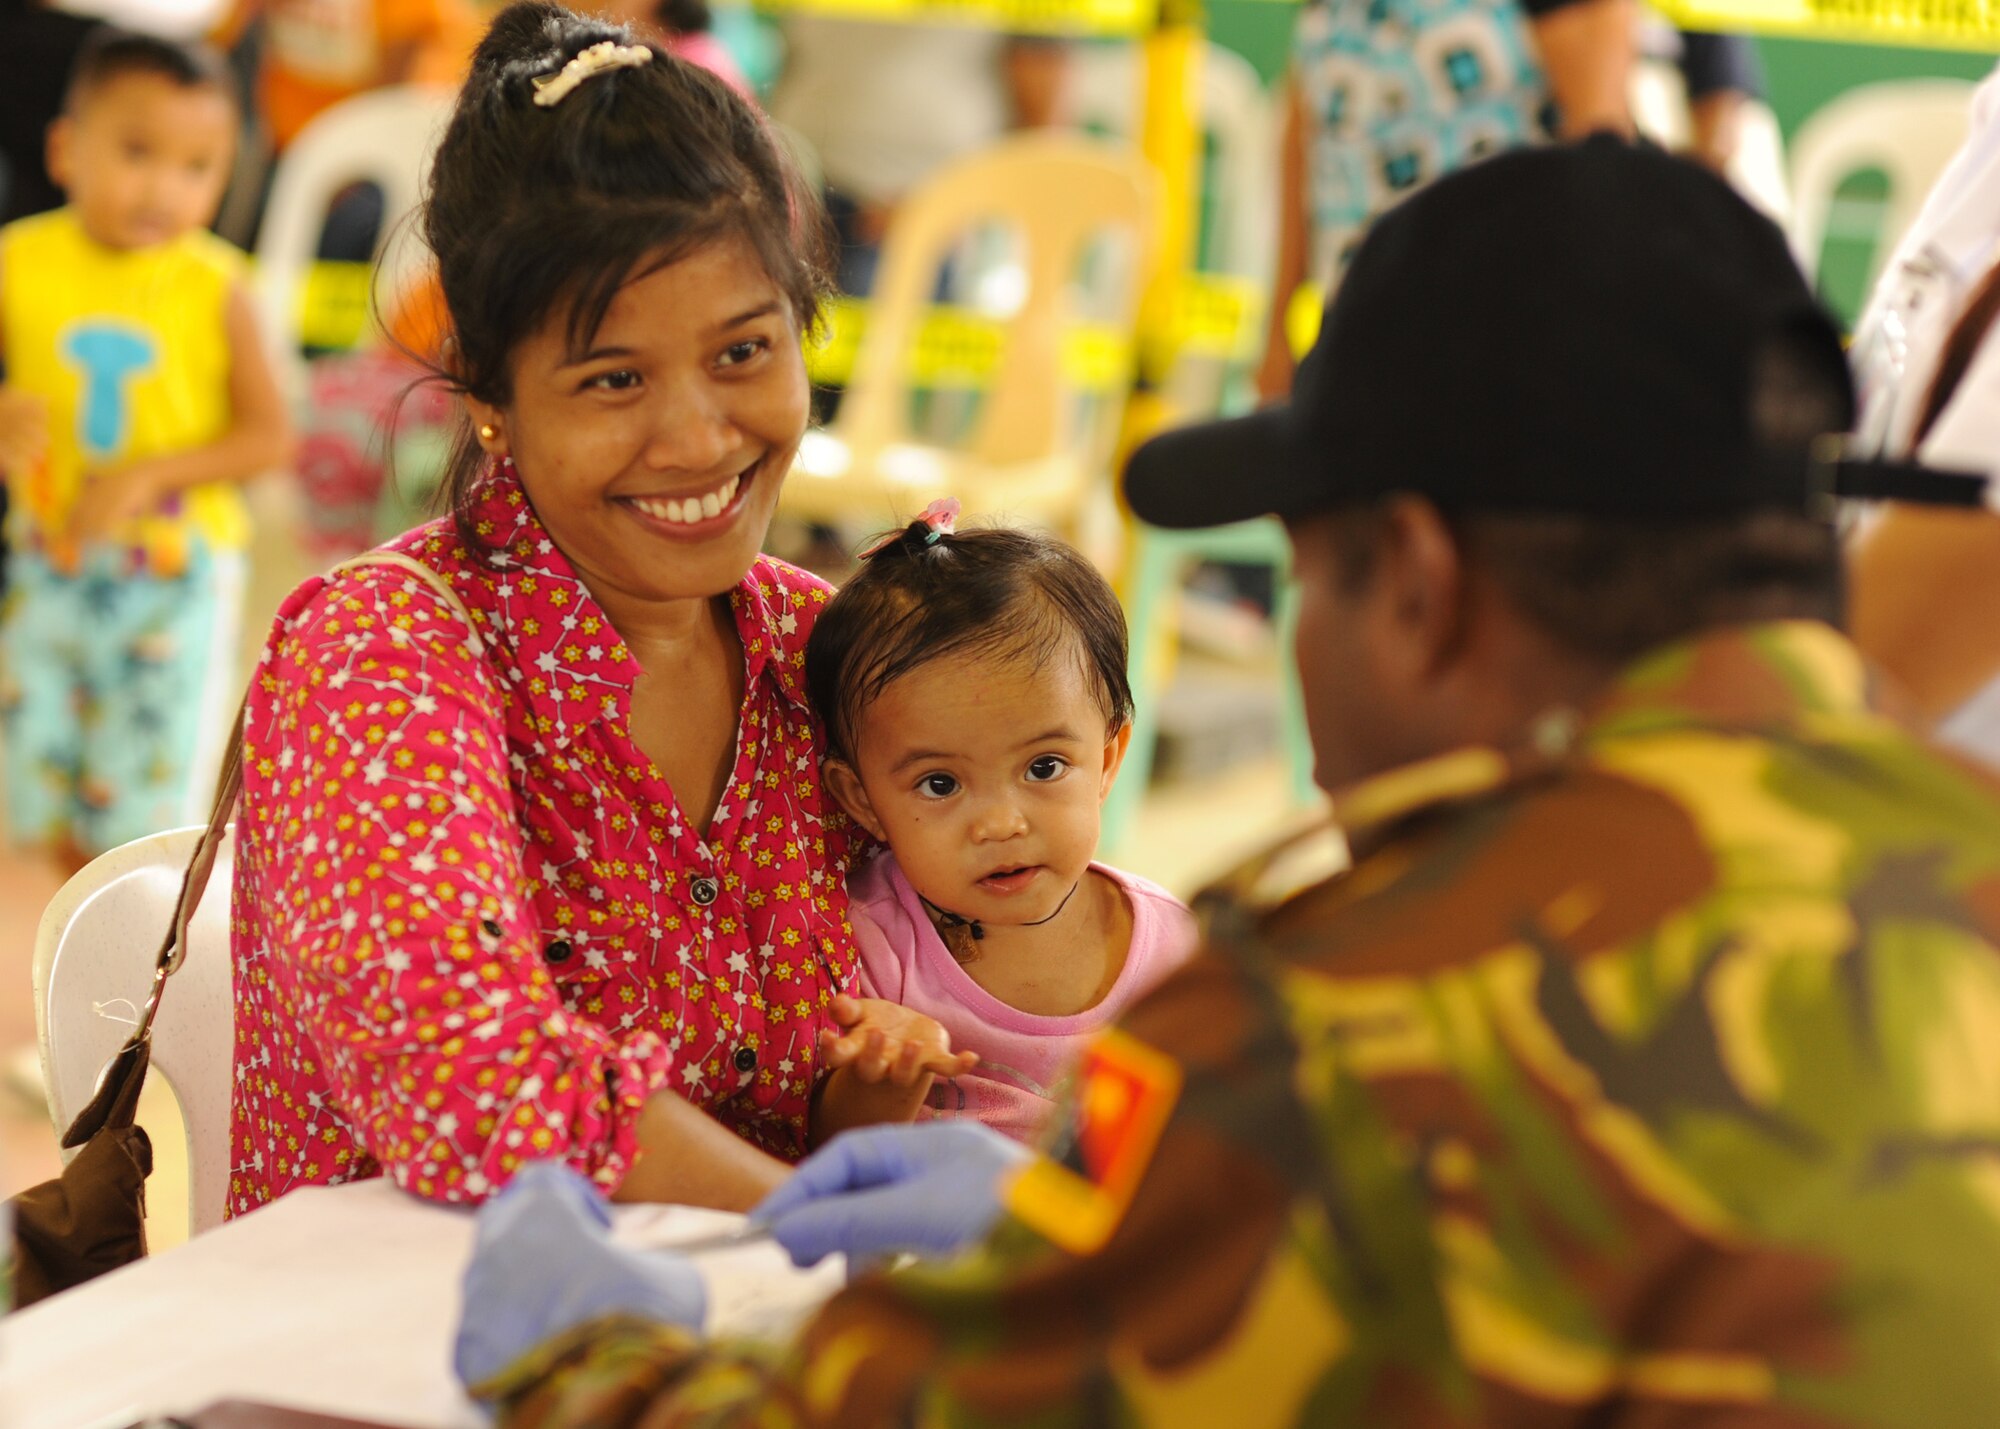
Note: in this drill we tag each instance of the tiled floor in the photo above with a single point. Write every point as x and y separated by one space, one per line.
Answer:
27 1144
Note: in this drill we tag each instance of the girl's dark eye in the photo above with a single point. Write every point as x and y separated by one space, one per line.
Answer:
738 353
622 380
938 786
1047 767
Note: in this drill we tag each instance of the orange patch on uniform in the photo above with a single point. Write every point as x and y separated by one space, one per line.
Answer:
1125 1094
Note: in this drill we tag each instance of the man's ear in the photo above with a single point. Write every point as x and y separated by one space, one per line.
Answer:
1422 572
56 150
1115 745
839 776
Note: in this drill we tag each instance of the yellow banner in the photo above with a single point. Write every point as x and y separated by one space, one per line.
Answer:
958 349
1215 316
1218 316
334 304
1933 24
1021 17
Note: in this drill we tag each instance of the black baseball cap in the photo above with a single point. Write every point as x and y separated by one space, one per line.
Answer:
1579 329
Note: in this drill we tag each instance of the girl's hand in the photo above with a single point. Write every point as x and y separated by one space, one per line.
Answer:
885 1042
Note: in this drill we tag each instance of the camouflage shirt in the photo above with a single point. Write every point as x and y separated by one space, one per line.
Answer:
1646 1076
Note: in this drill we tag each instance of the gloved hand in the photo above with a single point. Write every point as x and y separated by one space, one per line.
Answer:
543 1262
933 1189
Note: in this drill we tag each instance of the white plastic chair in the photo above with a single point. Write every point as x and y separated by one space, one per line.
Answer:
386 137
94 954
1908 129
1038 446
1660 109
1239 128
1235 116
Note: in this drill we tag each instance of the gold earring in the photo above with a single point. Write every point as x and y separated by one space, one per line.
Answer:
488 432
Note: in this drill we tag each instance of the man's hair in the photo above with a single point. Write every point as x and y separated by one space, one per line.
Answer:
1609 589
999 594
112 54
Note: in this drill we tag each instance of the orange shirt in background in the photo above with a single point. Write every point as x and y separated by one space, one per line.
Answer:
319 52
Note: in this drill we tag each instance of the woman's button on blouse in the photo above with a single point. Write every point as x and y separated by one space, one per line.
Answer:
746 1059
558 952
490 928
704 891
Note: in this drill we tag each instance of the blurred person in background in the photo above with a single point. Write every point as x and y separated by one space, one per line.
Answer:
312 54
1926 584
1722 75
685 29
138 398
315 53
887 105
1385 96
41 45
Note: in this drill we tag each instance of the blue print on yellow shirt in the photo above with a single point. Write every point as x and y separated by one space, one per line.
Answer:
106 357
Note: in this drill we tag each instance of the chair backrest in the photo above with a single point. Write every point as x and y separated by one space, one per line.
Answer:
1660 110
384 136
1659 102
1758 170
94 953
1907 129
1056 193
1238 122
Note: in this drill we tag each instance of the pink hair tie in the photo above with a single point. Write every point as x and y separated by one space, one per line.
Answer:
940 519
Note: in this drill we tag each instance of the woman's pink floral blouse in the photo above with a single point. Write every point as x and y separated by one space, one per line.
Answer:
471 926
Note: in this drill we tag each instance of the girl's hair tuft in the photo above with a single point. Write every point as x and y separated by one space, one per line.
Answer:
1005 594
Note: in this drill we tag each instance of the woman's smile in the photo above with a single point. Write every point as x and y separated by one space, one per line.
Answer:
698 514
655 455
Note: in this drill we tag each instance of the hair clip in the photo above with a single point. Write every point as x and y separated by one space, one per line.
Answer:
552 89
940 519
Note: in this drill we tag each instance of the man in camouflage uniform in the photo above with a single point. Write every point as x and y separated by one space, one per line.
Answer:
1644 1070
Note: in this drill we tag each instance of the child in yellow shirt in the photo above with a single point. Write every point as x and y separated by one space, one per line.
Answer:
137 398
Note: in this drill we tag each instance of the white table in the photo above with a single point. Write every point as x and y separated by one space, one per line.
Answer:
341 1300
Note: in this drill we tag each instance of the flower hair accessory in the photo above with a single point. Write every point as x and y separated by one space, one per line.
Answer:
552 89
940 519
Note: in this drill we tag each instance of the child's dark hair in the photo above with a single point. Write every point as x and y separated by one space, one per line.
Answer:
535 211
112 54
1006 593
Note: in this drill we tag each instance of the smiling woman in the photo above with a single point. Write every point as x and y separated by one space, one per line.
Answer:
546 870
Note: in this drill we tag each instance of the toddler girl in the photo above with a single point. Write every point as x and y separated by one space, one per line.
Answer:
974 693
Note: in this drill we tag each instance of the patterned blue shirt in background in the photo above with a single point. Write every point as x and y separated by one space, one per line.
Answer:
1400 92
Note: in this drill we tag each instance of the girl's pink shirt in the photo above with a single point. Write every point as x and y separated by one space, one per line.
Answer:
1023 1057
471 926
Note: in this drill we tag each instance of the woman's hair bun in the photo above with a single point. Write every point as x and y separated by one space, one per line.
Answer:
536 38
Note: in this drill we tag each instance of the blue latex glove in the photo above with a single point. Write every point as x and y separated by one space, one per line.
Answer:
543 1262
933 1189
